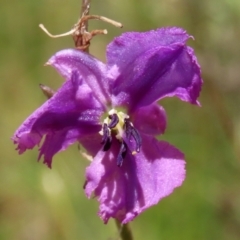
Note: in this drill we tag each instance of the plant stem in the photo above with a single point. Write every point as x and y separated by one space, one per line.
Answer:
85 10
124 231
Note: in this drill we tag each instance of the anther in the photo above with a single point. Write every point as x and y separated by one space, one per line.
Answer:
107 138
114 120
131 131
119 125
122 153
137 139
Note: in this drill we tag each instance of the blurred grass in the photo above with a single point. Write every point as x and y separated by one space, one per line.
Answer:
37 203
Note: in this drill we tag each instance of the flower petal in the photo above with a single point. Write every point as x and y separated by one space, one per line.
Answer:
70 114
142 181
152 65
91 143
150 120
91 69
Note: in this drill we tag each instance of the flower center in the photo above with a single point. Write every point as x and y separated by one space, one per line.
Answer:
118 124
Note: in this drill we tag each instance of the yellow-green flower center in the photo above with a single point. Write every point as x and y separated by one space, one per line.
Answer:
118 124
118 129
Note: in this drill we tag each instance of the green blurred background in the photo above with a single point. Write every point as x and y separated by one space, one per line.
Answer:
37 203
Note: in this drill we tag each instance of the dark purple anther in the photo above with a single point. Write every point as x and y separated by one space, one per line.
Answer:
122 153
131 131
114 120
107 138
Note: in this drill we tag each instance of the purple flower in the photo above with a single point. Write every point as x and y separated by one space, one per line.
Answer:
111 110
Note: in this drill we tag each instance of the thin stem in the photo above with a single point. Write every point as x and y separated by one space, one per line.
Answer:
104 19
81 36
124 231
58 35
85 11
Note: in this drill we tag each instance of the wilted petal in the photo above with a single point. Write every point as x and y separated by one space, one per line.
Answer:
150 120
153 65
70 114
142 181
91 69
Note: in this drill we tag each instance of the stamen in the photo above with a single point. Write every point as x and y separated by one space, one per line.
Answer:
114 120
118 125
122 153
131 131
127 128
137 139
107 138
108 144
